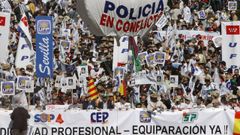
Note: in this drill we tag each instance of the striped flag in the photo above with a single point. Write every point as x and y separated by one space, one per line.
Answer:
236 130
123 88
92 90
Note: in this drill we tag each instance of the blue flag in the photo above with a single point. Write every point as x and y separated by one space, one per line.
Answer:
44 47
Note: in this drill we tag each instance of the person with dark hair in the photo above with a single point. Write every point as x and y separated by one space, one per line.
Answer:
19 119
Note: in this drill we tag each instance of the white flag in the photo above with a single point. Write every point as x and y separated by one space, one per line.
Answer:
23 54
23 25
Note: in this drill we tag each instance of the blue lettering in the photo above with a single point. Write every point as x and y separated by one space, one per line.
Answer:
24 46
233 55
124 50
24 57
109 6
122 11
160 6
99 117
232 45
145 14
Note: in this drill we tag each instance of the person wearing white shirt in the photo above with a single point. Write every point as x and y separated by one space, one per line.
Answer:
123 104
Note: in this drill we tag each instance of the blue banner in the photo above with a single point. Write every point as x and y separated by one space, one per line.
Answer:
44 47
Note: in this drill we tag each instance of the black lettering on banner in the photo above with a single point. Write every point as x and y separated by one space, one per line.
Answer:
134 130
164 130
88 131
178 131
75 130
184 129
195 130
81 130
141 129
54 130
37 131
158 129
60 131
218 130
171 130
44 131
68 129
97 129
4 131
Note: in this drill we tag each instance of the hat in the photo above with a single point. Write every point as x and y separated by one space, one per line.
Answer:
154 95
178 98
29 66
215 94
5 66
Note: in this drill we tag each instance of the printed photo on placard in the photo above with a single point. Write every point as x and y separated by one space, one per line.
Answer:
64 82
66 45
142 57
173 80
58 81
82 70
160 58
150 59
82 81
232 5
8 88
29 86
71 83
21 82
66 32
159 79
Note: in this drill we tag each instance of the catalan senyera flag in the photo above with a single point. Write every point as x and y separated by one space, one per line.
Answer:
236 129
92 90
123 88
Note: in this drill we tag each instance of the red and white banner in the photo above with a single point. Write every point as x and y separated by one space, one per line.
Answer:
23 25
120 17
4 35
190 34
230 43
120 52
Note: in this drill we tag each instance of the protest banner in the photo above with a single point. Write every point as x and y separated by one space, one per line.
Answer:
230 43
121 17
130 122
190 34
120 52
23 54
4 34
44 47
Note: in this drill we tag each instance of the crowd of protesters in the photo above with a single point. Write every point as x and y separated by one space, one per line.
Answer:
193 91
